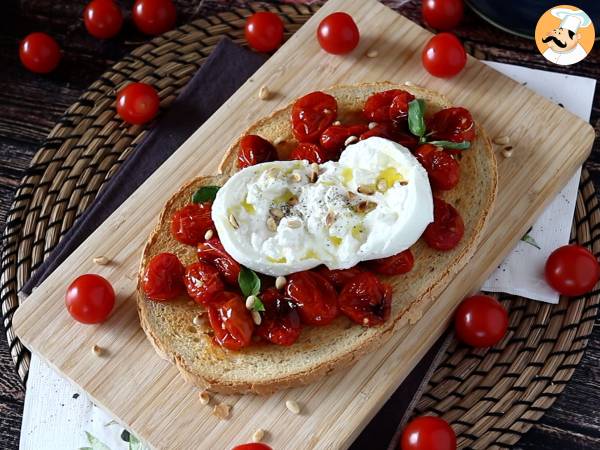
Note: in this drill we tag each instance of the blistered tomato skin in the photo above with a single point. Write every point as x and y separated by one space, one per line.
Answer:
311 153
334 137
90 299
398 264
572 270
190 223
230 320
480 321
255 150
338 33
163 278
442 168
366 300
315 296
202 281
212 251
312 114
378 106
447 228
340 277
451 124
280 322
389 130
428 433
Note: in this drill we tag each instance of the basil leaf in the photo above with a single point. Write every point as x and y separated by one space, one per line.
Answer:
531 241
452 145
258 304
416 121
249 282
205 194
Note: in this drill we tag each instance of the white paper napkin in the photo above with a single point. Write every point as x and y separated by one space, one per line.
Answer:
522 272
60 416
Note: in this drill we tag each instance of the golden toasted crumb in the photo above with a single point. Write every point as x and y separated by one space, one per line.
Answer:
204 397
222 411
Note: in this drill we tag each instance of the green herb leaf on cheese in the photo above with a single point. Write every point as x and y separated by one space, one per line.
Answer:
249 282
205 194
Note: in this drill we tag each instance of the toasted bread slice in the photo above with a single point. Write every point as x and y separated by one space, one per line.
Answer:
264 368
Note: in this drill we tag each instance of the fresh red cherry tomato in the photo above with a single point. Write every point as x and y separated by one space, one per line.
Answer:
444 56
387 105
212 251
280 322
443 15
202 281
310 152
339 277
334 137
480 321
442 168
447 228
39 53
366 300
163 278
90 298
315 296
190 223
312 114
572 270
255 150
389 130
230 320
137 103
154 17
264 31
398 264
428 433
451 124
338 33
103 18
252 446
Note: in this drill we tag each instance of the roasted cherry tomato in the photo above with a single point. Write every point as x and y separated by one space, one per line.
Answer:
190 223
255 150
264 31
443 15
315 296
447 228
366 300
103 18
480 321
428 433
442 168
340 277
230 320
451 124
334 137
398 264
163 278
154 17
202 281
312 114
212 251
387 105
444 56
137 103
310 152
90 298
390 131
338 33
39 53
280 322
252 446
572 270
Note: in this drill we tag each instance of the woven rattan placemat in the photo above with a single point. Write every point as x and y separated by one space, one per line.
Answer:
491 396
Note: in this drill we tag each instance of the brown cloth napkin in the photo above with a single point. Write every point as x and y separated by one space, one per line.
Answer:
228 67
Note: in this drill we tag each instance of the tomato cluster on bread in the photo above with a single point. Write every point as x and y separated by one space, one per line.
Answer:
314 297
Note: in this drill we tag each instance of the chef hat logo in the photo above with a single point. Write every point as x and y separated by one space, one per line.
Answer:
565 34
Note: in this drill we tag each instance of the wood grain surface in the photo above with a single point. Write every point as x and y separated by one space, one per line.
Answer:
31 104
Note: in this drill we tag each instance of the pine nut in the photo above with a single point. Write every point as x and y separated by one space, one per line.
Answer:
367 189
507 153
258 435
100 260
233 221
330 218
256 318
372 54
294 223
208 235
350 140
337 123
97 350
198 320
276 212
271 224
264 93
280 282
372 125
292 406
250 301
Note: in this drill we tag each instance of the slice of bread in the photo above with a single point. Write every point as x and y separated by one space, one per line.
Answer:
264 368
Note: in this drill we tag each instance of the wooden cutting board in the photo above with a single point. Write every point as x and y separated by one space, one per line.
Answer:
146 394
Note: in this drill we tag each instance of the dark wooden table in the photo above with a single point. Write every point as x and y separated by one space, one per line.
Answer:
31 104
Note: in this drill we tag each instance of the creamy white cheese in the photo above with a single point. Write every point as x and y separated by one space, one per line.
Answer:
281 217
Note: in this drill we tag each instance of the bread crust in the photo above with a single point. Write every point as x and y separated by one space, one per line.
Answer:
181 354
